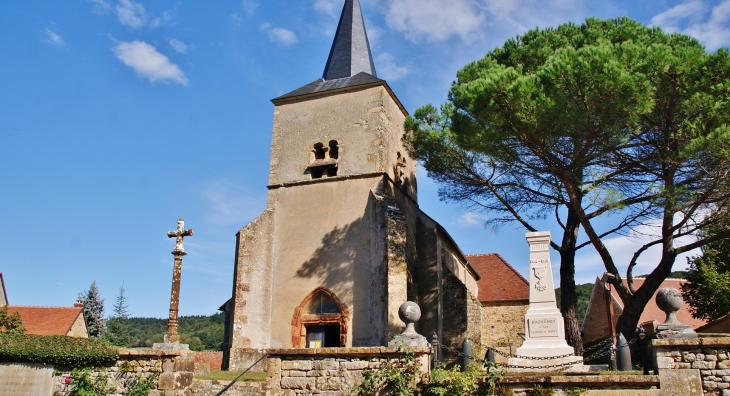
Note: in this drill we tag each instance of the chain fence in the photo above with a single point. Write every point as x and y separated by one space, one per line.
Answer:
603 348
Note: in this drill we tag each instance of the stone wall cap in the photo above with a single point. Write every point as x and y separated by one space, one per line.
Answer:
361 351
693 342
149 353
588 380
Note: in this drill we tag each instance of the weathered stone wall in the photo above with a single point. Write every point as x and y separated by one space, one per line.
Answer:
78 329
172 371
461 317
502 322
329 371
711 356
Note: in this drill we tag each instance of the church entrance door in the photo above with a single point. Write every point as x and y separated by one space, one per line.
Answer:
323 336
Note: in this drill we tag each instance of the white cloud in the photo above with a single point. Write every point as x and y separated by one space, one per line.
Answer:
692 18
329 7
280 35
179 46
101 7
166 16
148 63
249 7
470 219
131 14
435 20
388 69
668 19
54 38
231 203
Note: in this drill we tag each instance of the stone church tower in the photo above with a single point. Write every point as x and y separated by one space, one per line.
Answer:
343 243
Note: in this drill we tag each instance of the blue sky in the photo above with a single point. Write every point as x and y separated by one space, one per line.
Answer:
117 117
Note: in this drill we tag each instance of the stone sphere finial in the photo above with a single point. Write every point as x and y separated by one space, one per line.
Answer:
409 312
669 299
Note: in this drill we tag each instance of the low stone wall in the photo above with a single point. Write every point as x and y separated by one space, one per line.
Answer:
707 355
172 371
329 371
618 385
208 360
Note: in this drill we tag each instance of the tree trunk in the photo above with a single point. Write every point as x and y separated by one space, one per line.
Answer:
568 298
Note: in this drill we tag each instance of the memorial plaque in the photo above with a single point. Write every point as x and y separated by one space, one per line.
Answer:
544 327
18 379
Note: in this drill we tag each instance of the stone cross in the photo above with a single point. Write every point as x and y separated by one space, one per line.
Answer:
172 337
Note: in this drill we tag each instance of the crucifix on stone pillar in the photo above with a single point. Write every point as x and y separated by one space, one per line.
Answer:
172 337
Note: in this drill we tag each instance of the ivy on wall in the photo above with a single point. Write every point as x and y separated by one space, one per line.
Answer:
61 351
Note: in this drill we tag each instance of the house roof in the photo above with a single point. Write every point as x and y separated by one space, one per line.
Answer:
321 86
47 320
350 53
499 281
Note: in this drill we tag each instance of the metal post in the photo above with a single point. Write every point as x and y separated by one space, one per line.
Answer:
436 350
644 355
623 354
467 354
612 358
490 355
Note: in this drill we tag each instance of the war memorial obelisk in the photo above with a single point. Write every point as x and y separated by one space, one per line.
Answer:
545 343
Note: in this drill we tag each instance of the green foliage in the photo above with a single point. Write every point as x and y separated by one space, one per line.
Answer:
444 382
397 377
583 122
707 291
60 351
10 324
93 310
84 384
116 331
200 332
583 293
141 386
492 374
539 390
575 391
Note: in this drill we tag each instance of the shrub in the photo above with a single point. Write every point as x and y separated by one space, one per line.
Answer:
61 351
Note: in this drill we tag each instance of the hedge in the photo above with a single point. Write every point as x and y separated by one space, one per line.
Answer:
61 351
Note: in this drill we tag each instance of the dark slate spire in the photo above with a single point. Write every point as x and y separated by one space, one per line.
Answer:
350 53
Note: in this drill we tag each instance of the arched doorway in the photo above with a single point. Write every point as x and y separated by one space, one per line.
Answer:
320 321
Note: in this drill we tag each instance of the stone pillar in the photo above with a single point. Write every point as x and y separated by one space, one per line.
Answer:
544 327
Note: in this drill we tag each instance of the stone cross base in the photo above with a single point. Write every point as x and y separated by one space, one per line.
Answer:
409 340
168 346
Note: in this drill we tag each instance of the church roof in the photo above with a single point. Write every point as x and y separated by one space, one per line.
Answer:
350 62
322 85
350 53
47 320
499 280
3 293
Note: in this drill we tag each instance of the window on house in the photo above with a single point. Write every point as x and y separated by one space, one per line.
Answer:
323 160
334 150
322 304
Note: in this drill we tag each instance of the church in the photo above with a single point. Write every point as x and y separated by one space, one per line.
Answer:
342 242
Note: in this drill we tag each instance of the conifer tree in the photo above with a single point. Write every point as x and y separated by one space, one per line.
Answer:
707 290
117 327
10 324
93 310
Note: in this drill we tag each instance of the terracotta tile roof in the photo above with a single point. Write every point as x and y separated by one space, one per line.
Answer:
499 281
47 320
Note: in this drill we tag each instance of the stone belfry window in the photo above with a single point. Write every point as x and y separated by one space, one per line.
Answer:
323 160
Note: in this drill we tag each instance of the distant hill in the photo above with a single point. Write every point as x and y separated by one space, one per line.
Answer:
583 293
200 332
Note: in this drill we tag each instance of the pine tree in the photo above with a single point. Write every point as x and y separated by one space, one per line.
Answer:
93 310
117 327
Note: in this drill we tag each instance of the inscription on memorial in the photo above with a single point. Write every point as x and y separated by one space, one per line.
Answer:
543 327
25 379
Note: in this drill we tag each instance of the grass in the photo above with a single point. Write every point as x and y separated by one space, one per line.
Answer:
251 376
